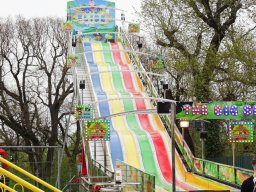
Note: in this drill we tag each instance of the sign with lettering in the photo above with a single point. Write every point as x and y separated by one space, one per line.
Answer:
241 132
84 111
92 15
216 110
96 130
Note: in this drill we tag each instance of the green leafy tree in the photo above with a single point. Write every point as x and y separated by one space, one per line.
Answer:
209 49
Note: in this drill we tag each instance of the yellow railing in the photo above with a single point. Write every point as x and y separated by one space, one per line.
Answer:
4 187
23 182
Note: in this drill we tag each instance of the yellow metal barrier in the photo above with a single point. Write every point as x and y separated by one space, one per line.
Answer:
19 180
17 184
28 175
4 187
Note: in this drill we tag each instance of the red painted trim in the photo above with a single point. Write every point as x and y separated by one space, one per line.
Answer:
3 153
84 166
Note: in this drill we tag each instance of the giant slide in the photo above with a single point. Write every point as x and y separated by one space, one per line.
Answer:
140 140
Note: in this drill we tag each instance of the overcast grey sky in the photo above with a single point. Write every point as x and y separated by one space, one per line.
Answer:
40 8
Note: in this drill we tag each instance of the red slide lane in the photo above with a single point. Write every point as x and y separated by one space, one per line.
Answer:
161 152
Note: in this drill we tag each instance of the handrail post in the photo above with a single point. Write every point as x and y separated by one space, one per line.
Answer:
173 114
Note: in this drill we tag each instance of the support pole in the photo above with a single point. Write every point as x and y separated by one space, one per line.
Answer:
233 151
183 140
59 168
95 154
233 148
203 149
105 154
82 96
173 114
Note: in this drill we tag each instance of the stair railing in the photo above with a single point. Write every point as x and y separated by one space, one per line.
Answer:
22 182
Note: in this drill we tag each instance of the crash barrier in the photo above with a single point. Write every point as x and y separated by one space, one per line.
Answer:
225 173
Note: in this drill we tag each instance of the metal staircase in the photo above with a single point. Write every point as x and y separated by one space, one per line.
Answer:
98 149
97 152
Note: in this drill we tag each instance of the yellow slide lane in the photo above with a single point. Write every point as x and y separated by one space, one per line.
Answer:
192 179
131 155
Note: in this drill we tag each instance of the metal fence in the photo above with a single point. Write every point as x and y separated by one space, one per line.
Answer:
40 169
98 173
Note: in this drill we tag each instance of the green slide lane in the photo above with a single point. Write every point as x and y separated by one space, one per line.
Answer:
143 140
145 147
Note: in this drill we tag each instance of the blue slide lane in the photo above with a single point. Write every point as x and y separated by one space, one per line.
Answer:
115 144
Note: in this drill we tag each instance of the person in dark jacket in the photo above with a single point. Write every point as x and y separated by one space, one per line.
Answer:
249 185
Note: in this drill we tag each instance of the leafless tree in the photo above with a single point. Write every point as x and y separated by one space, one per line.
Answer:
34 85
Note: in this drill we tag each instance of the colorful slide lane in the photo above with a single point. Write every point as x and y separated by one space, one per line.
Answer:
140 140
131 155
155 135
115 143
194 180
144 144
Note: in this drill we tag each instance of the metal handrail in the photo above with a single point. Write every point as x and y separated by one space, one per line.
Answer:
23 182
138 64
4 187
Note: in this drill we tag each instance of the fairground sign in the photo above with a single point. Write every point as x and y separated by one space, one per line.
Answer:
96 130
84 111
241 132
216 110
91 15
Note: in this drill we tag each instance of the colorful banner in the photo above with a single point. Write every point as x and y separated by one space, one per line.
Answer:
241 175
92 15
216 110
211 169
96 130
188 156
133 28
227 173
198 165
72 60
241 132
